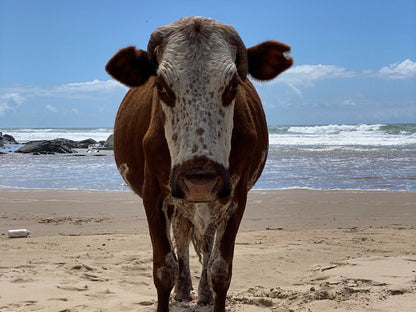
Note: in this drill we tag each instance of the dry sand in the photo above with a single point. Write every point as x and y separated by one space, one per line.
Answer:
296 251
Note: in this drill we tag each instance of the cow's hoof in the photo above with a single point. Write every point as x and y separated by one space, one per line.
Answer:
206 299
183 297
204 303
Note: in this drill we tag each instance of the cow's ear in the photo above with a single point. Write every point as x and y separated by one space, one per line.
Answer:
268 59
130 66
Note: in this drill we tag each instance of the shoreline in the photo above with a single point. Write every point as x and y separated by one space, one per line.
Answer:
312 251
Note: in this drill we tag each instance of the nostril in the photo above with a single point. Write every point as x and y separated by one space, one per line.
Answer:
215 188
226 191
185 186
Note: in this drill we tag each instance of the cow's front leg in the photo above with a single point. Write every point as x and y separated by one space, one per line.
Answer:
204 289
165 265
221 260
182 231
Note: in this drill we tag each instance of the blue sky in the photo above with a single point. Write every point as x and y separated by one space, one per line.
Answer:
355 61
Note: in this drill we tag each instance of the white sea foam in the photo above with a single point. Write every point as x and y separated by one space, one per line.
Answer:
340 140
334 129
22 135
344 135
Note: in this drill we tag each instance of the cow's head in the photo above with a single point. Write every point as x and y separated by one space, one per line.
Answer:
199 64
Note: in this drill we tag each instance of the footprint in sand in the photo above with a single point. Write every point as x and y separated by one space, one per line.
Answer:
101 294
94 278
73 288
58 299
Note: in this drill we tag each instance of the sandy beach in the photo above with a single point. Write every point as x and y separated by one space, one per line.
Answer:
297 250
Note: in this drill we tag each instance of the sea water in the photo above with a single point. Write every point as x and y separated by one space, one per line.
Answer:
358 157
328 157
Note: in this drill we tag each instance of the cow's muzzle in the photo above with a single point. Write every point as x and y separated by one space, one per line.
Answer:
200 180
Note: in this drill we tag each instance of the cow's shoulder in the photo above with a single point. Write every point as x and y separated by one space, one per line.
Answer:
131 125
250 136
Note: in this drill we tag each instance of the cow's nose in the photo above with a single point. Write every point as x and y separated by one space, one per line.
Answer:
200 188
200 180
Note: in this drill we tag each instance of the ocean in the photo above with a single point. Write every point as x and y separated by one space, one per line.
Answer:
321 157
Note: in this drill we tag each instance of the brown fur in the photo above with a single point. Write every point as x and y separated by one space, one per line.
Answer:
142 155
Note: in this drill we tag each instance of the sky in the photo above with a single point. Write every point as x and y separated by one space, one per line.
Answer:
355 61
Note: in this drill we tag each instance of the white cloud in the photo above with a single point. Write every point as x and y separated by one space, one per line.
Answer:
403 70
73 111
88 87
4 108
51 108
11 98
308 74
10 102
69 90
295 90
349 102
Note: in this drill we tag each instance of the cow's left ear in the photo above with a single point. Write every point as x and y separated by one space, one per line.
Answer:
268 59
130 66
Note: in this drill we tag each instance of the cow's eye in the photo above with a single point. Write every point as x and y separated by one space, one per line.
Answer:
234 88
230 91
165 93
159 88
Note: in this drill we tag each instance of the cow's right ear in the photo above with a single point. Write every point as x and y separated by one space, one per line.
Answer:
130 66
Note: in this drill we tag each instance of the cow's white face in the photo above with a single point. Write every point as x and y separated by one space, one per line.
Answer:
197 82
198 64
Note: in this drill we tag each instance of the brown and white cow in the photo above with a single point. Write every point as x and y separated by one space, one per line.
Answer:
191 139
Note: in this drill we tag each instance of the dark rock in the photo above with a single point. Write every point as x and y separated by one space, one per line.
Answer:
6 139
109 143
75 144
67 142
61 146
85 143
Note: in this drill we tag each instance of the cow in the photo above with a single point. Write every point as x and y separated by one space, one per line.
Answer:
190 138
